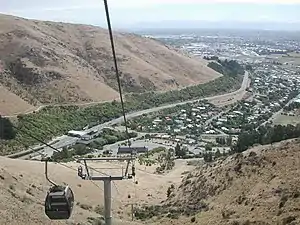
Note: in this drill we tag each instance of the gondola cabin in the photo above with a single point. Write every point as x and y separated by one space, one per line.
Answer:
59 203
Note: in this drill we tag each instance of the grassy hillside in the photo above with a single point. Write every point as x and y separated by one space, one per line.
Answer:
46 62
260 186
23 188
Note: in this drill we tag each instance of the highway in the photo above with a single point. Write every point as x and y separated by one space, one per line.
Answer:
65 140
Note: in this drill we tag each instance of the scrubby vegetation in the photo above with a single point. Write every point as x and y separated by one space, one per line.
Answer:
292 106
6 129
166 161
227 67
225 190
161 156
266 135
170 211
54 121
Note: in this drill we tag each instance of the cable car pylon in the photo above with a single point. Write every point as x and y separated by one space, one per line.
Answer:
107 181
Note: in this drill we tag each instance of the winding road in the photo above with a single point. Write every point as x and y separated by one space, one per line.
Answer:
65 140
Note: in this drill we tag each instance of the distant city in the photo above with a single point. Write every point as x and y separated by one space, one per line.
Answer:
252 46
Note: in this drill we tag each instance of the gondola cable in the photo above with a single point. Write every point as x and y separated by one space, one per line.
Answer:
59 201
111 37
91 168
119 82
56 188
71 168
56 150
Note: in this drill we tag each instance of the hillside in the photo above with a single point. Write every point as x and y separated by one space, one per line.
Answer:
47 62
23 189
259 187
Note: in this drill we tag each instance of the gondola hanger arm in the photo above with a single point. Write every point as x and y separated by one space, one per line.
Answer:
46 173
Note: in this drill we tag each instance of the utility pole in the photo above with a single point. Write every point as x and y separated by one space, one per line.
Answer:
107 181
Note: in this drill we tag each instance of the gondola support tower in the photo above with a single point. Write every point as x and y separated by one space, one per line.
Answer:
107 182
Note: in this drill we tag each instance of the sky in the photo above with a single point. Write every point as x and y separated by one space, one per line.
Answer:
126 13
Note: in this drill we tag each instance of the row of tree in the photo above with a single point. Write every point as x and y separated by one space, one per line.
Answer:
266 135
7 131
224 141
151 99
227 67
181 151
55 121
67 155
292 106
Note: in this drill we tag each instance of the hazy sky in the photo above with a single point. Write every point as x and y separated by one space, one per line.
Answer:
127 12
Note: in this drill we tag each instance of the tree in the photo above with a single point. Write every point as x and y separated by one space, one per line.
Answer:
266 135
65 154
229 141
80 149
147 136
221 140
208 157
7 131
111 139
177 149
180 152
100 142
184 151
133 126
208 147
170 154
169 191
245 140
249 68
218 154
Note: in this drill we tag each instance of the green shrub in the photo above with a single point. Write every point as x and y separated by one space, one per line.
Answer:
55 121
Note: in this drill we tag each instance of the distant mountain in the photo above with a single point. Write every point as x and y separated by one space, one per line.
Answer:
295 26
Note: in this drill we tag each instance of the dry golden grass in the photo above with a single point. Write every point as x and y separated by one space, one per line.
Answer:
261 188
11 103
64 63
258 187
23 187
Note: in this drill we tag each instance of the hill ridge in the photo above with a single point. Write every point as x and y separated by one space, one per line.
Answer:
257 187
49 62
